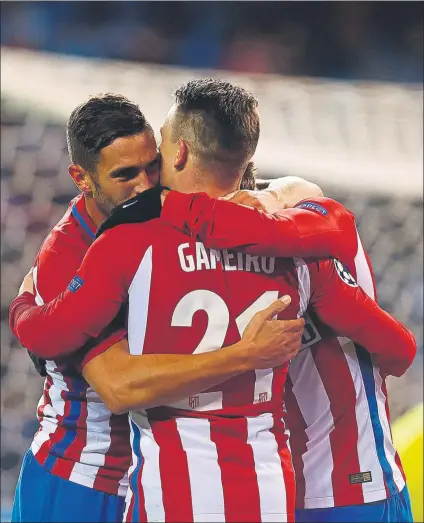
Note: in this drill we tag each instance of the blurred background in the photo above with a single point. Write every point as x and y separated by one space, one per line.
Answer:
340 92
349 40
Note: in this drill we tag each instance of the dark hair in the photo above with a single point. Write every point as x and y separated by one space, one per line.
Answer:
248 181
99 121
218 120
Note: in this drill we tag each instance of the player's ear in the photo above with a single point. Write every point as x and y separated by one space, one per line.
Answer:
181 155
81 179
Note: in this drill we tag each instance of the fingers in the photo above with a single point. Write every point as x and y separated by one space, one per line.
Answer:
248 199
276 307
292 325
230 196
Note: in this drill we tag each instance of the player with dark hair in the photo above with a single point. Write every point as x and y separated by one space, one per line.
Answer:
114 157
113 152
227 443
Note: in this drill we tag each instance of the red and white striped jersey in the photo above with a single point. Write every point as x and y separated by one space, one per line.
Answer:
339 422
210 456
79 438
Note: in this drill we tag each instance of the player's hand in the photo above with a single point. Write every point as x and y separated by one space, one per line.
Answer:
28 284
269 342
266 200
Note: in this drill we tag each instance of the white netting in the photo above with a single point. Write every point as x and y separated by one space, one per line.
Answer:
321 128
365 136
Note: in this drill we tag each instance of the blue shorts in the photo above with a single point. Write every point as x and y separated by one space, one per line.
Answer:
396 509
43 497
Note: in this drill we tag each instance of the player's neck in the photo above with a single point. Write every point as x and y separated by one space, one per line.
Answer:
96 215
207 182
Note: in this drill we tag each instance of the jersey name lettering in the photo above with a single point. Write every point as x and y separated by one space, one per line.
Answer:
196 258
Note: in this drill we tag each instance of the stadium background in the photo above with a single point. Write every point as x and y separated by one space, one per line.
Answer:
340 93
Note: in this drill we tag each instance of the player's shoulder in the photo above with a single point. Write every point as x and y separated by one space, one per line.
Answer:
145 231
64 238
131 237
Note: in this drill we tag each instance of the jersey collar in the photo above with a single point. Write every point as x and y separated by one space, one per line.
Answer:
79 212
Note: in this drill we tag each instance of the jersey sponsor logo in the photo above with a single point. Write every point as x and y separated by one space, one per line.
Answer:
344 274
313 207
310 334
360 477
75 284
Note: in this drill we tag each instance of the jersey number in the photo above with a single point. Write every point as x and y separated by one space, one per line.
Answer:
213 339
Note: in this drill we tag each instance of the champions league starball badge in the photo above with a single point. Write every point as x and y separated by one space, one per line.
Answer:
345 274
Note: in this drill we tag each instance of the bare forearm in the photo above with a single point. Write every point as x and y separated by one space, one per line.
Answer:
158 379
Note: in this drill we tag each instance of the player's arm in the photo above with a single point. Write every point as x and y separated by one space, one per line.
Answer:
90 302
348 310
126 382
315 227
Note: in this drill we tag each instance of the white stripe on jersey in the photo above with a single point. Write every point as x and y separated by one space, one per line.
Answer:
48 425
363 273
318 465
200 402
98 441
57 408
364 279
150 475
367 451
203 467
38 299
123 485
389 449
139 293
269 472
304 285
264 377
48 422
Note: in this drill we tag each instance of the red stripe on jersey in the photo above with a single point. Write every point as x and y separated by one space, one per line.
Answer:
130 511
280 435
121 453
239 390
280 375
74 450
298 440
46 401
57 435
237 464
399 464
72 453
174 472
63 468
46 396
345 433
